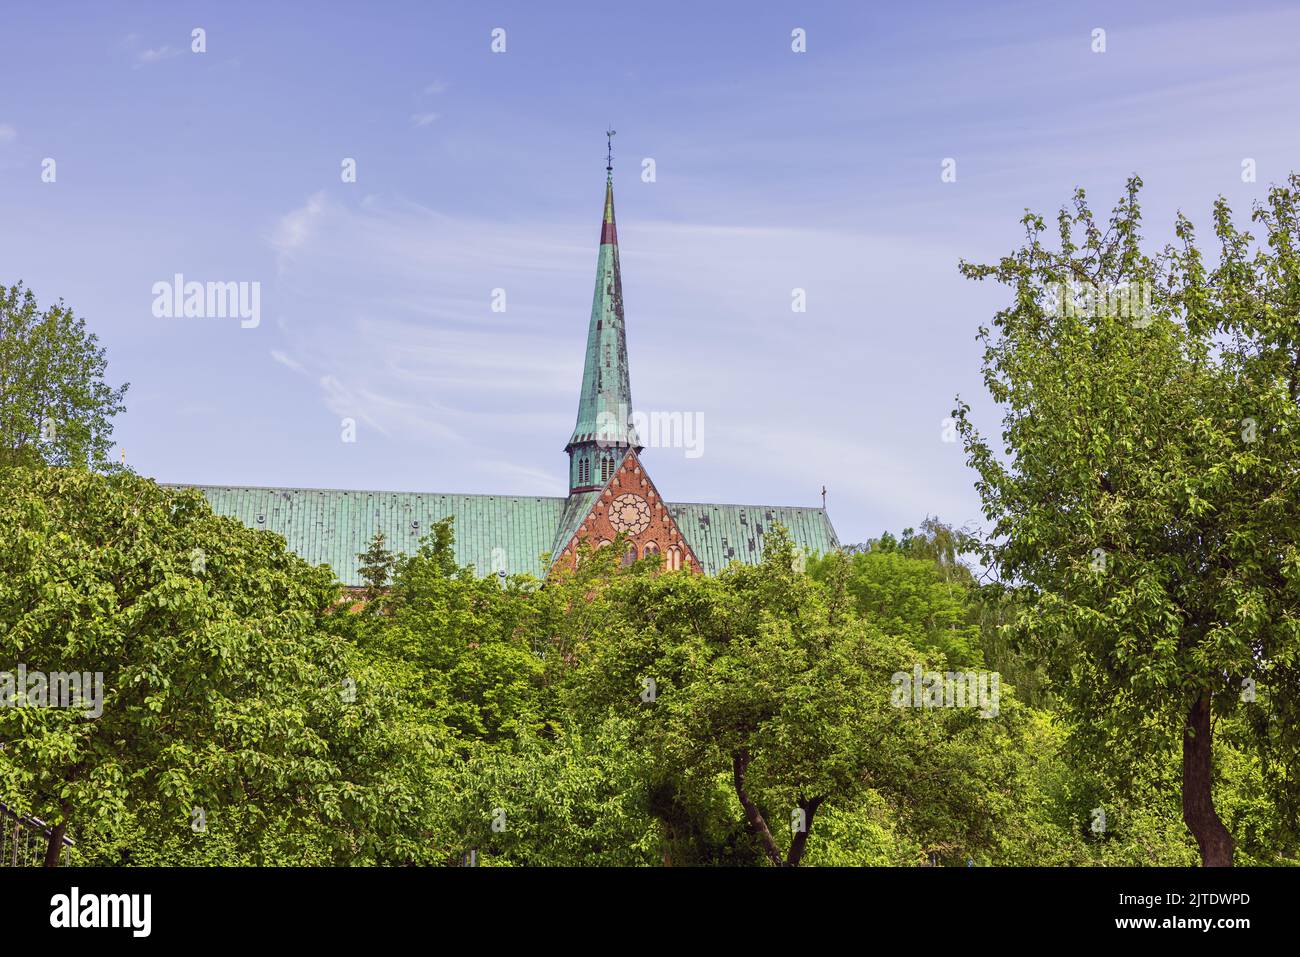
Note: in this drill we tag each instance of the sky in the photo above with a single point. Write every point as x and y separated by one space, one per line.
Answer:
478 170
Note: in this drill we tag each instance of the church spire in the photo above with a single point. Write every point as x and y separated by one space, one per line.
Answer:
603 431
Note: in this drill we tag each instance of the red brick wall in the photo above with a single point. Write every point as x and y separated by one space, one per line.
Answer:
598 526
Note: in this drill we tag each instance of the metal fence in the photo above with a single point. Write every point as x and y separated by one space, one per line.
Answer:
24 840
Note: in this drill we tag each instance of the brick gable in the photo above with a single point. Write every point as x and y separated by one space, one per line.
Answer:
630 503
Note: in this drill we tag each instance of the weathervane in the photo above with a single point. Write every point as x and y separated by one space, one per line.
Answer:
609 146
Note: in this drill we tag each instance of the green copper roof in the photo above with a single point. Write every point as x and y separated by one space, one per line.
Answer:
721 534
327 526
605 403
493 532
576 508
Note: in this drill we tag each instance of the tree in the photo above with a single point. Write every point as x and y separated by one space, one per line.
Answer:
54 404
914 598
222 701
377 564
762 681
466 640
565 802
920 583
1145 500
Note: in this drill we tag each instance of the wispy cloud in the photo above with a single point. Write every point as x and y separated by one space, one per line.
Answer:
385 413
287 361
156 55
294 229
388 307
423 119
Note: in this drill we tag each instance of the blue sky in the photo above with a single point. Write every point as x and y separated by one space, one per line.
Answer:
479 170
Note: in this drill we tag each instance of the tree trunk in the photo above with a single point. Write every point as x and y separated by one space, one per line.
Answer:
801 837
1198 779
54 849
739 763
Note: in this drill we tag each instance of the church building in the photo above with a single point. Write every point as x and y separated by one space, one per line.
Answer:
610 490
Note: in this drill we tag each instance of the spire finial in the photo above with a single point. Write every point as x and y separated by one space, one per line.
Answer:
609 150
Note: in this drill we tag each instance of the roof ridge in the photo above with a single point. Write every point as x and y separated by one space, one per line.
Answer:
548 498
355 491
796 508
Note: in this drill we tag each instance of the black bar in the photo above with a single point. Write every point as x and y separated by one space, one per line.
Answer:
332 906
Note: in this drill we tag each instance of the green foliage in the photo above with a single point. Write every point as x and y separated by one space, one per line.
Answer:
54 404
221 693
917 586
617 716
377 565
1144 501
909 598
761 677
574 801
472 661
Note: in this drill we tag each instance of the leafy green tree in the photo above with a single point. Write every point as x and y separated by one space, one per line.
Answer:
915 599
467 640
577 799
54 403
762 679
225 703
920 582
1144 500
